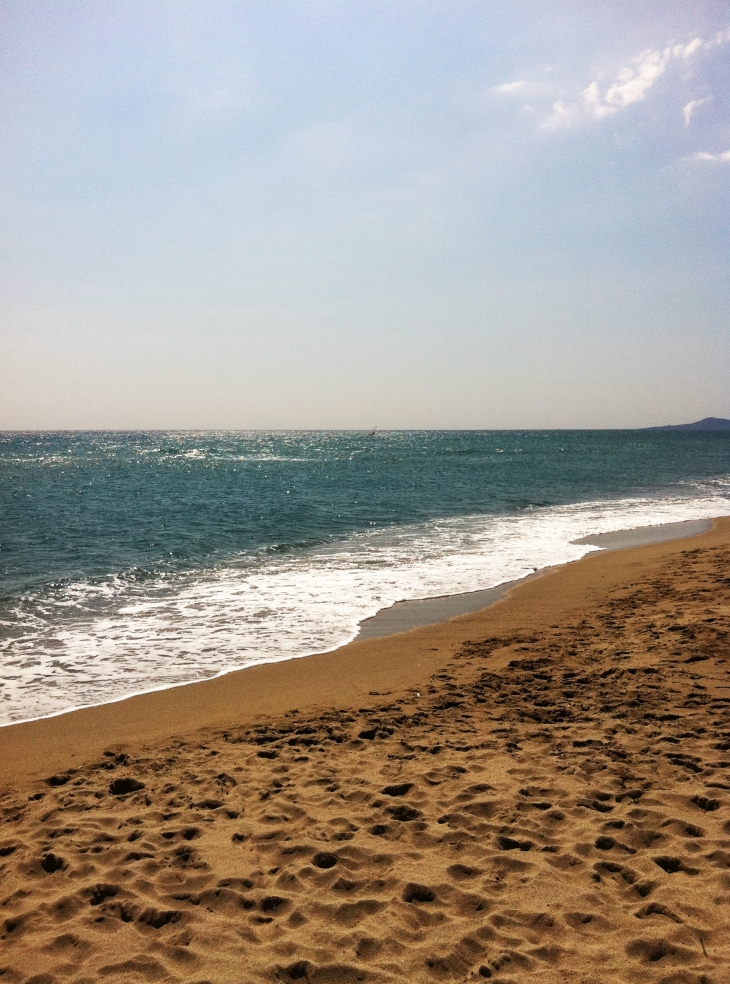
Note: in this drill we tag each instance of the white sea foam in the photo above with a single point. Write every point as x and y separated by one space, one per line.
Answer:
93 644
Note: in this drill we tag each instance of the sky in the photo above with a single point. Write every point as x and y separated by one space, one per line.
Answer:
344 214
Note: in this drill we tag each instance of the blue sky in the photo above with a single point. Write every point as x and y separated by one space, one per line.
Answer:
334 214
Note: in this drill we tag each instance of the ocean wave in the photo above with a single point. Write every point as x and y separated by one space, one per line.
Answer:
86 643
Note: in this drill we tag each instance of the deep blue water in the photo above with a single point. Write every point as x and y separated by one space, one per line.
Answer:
85 505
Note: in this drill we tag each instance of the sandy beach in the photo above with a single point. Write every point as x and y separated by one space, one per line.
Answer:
537 790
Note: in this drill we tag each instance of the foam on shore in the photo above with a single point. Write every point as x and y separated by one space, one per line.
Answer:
95 643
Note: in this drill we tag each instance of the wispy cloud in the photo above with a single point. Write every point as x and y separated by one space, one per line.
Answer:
509 88
690 108
631 85
722 158
722 37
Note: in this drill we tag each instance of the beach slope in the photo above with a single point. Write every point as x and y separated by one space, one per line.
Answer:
540 790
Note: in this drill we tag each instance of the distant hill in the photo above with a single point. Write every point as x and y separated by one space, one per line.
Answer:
707 424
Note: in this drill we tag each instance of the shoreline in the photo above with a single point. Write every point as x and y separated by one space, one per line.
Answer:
416 613
403 616
255 691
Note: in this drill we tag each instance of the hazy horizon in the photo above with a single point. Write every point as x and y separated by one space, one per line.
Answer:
317 430
327 216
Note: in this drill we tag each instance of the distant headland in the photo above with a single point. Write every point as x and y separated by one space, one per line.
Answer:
706 424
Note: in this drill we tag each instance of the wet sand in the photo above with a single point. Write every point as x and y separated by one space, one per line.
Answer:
539 790
406 615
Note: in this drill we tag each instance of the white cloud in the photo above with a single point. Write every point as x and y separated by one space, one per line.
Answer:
631 85
722 158
595 105
689 109
509 87
685 50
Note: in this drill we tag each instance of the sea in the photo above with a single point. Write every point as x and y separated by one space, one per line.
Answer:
133 562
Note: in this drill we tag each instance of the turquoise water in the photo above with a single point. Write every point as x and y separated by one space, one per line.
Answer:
130 562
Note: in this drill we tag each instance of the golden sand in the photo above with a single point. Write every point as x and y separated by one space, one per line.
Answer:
538 791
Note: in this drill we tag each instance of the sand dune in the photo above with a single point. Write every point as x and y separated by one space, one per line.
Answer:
551 804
